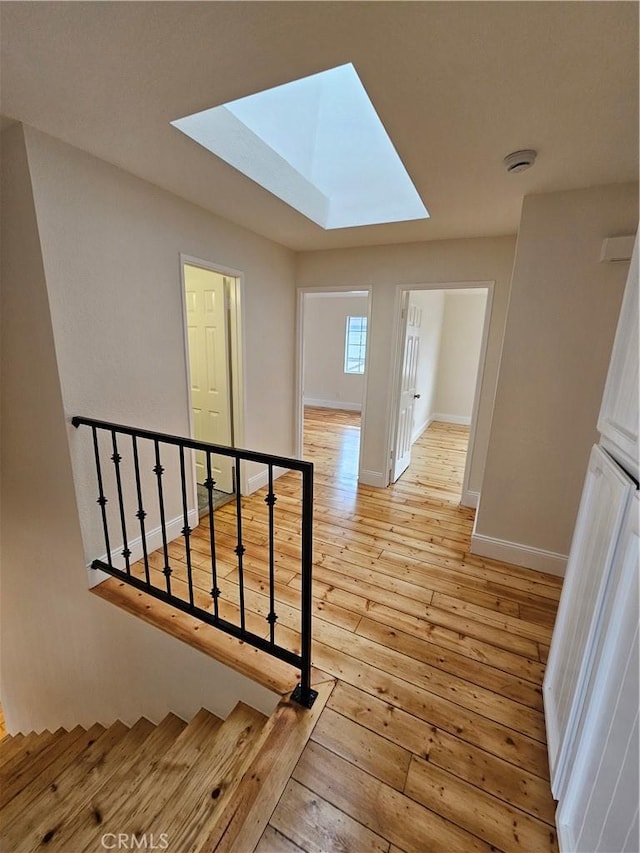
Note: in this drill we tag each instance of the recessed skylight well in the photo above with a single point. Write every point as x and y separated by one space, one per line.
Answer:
316 143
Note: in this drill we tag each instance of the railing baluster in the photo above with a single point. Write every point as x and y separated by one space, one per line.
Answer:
303 693
101 498
140 514
117 459
209 484
240 549
307 695
186 530
158 470
270 501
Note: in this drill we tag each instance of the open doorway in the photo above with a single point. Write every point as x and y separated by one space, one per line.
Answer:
211 303
334 329
442 334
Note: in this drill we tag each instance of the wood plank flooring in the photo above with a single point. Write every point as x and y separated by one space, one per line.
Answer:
433 738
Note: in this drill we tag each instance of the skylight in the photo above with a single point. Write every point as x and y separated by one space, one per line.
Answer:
318 145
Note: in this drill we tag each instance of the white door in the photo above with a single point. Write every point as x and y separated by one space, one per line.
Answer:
412 320
598 811
603 504
618 420
206 310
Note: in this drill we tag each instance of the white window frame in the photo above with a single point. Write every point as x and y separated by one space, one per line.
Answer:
361 344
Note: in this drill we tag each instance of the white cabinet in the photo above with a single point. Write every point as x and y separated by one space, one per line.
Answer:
618 422
598 811
605 496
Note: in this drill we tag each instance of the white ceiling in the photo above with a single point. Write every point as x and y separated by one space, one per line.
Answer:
458 85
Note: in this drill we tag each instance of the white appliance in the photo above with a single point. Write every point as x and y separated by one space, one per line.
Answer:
591 685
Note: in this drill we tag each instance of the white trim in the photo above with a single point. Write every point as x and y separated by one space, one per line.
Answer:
332 404
520 555
261 479
154 542
373 478
236 350
417 432
463 420
395 376
470 498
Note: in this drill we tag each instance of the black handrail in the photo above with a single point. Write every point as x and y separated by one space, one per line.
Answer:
303 692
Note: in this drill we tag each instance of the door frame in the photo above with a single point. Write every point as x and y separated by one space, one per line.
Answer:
236 353
299 381
468 498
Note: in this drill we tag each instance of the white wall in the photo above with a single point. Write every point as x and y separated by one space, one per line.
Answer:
560 329
459 355
431 303
387 267
325 382
92 324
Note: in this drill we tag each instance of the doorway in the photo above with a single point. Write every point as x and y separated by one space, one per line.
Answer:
441 349
211 322
333 348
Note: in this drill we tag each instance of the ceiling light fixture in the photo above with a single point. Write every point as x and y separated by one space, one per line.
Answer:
518 161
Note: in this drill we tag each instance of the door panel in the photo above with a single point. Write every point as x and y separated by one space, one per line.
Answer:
412 316
209 369
604 499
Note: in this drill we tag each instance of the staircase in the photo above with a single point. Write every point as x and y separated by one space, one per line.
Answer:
174 787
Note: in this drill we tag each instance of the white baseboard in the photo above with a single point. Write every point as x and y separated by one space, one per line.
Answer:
332 404
373 478
520 555
261 479
154 541
451 419
470 499
417 432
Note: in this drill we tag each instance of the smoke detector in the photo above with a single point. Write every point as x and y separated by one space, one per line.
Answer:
518 161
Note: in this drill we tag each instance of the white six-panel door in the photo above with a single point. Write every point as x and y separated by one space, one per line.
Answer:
605 496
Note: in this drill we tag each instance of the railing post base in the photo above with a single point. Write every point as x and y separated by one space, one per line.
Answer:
304 698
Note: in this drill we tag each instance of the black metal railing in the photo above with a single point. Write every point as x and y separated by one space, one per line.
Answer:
139 465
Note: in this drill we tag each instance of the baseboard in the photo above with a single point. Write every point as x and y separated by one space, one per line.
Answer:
451 419
154 541
417 432
470 499
373 478
261 479
520 555
332 404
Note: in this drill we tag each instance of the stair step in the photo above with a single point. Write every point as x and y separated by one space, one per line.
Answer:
19 806
33 765
82 777
108 802
212 782
32 744
9 746
166 775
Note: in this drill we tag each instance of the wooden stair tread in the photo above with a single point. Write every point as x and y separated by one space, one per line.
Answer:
32 744
34 765
68 791
283 739
171 768
9 746
20 803
213 781
259 666
86 826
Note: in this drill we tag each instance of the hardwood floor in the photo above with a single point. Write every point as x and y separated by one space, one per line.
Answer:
433 738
